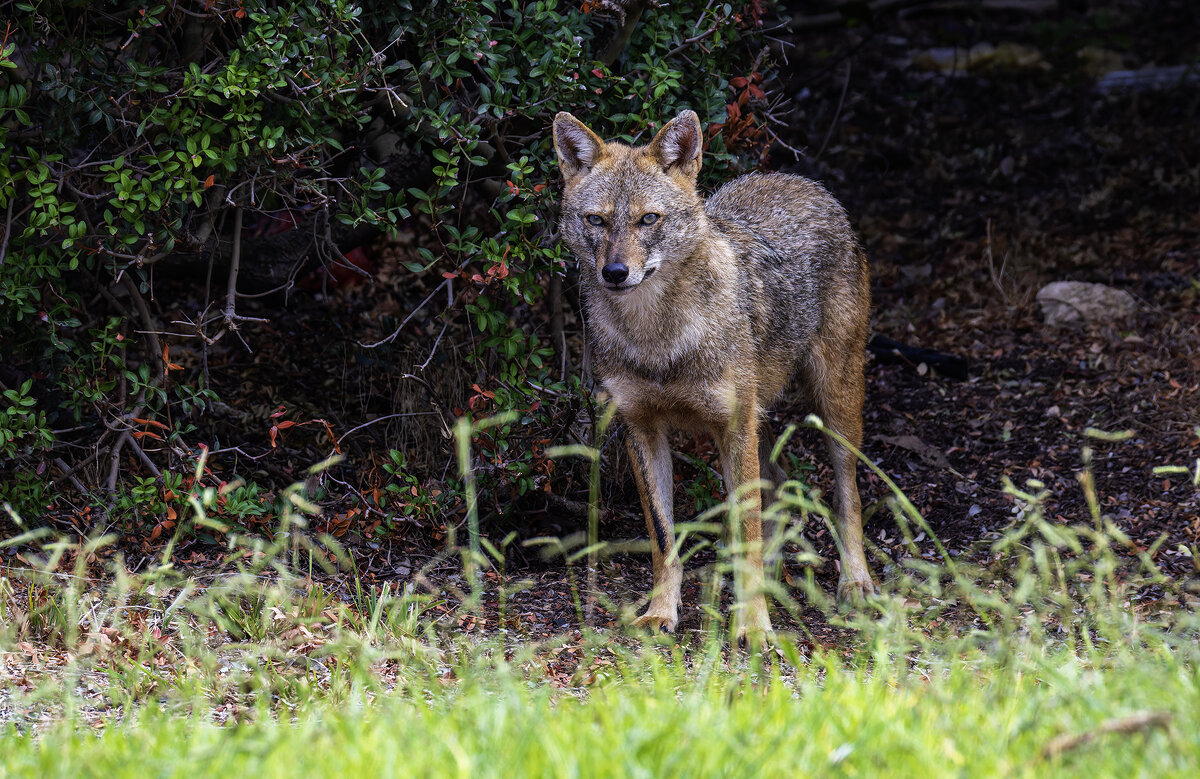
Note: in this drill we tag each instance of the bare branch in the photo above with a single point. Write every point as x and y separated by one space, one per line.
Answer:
235 264
114 462
629 12
148 323
837 114
436 343
1134 723
346 435
411 314
8 220
693 39
557 337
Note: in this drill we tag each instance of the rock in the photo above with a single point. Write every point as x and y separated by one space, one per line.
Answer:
1078 302
981 58
1149 78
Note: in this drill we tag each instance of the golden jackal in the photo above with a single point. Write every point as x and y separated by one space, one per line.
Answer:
699 312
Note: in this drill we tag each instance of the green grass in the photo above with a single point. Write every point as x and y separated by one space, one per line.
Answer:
1061 650
966 718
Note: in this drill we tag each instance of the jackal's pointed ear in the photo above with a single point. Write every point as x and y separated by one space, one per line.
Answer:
677 145
578 147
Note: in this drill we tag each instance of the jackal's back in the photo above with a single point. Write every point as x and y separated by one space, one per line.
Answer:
803 272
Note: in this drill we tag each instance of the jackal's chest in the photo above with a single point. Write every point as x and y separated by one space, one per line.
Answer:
685 404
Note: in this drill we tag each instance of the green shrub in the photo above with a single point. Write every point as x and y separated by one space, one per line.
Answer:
140 143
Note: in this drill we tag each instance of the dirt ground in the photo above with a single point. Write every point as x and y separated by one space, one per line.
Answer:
972 191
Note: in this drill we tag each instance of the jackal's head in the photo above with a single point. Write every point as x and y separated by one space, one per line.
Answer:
629 211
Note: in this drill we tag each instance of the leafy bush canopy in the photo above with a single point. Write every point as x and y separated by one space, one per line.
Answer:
143 143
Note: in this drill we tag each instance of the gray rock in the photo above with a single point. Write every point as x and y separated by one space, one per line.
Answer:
1079 302
1151 78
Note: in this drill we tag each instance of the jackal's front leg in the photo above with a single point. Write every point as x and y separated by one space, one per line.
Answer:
651 458
740 463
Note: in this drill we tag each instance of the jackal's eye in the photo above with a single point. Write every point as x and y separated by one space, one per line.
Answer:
595 220
648 219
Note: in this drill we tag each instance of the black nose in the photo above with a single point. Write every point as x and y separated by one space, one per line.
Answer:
615 272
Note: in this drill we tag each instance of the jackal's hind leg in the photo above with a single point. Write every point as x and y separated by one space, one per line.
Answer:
839 394
651 459
774 522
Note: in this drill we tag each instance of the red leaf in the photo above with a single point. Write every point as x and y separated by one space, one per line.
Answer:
170 366
208 182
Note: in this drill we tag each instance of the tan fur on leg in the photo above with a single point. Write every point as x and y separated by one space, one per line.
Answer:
740 463
651 458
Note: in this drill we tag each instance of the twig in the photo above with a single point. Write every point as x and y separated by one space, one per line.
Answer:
138 260
7 230
114 461
697 461
693 39
1134 723
69 475
239 450
235 264
557 336
413 313
284 287
436 341
365 502
145 458
205 230
231 316
838 113
144 312
382 419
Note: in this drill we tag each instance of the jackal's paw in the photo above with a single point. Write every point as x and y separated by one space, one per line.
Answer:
754 627
853 590
658 619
